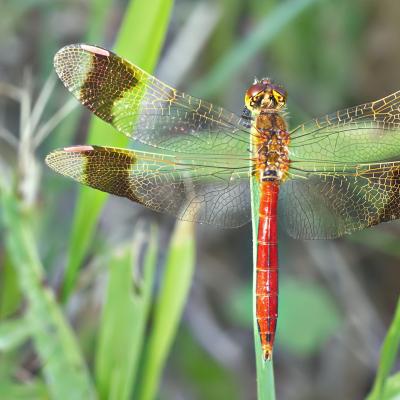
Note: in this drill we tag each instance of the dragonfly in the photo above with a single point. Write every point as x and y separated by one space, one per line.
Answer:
326 178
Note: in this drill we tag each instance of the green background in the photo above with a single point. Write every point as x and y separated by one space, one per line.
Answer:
91 292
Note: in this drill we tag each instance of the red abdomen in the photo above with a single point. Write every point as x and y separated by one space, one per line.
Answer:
267 267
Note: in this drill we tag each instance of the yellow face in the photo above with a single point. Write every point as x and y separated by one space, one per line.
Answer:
265 95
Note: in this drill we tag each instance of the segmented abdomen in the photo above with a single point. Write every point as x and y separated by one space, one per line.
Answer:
267 266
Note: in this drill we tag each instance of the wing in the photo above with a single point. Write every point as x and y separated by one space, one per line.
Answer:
344 171
329 201
366 133
144 108
201 190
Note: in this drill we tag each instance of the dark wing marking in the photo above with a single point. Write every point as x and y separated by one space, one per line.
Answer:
144 108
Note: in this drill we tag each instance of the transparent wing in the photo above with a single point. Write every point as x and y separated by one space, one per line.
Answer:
366 133
202 190
330 201
344 171
144 108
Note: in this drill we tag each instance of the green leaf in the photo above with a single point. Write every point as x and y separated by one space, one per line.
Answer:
170 303
13 333
27 391
308 316
392 388
11 295
63 365
389 351
140 39
123 323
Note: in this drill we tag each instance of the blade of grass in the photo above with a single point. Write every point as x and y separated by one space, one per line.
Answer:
170 303
35 390
392 387
13 333
124 319
388 356
146 23
64 368
10 294
265 371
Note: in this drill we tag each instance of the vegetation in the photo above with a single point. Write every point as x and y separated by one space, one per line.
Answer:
94 298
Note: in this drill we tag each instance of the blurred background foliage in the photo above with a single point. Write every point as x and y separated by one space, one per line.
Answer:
84 296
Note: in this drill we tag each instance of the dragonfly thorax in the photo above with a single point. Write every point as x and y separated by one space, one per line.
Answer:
271 141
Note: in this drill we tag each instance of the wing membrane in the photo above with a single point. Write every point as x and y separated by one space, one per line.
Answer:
202 190
345 171
361 134
330 201
144 108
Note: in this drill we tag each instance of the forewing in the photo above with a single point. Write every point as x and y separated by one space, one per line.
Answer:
328 202
361 134
201 190
144 108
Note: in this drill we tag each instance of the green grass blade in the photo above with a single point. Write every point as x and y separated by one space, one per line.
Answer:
35 390
240 54
389 352
392 387
170 303
140 40
13 333
63 365
265 370
10 298
124 320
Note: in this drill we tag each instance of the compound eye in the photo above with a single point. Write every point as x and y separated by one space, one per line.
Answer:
279 97
254 90
254 95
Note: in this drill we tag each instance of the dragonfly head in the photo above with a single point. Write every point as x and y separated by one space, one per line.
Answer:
264 94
